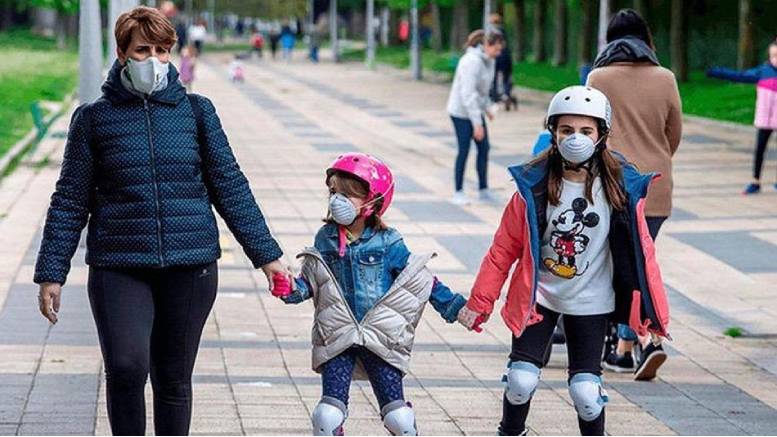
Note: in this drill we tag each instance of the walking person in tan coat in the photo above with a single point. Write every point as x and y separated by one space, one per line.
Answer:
646 128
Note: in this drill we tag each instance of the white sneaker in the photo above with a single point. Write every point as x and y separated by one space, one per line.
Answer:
459 198
486 195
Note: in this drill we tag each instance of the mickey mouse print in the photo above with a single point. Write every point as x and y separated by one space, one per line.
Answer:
576 273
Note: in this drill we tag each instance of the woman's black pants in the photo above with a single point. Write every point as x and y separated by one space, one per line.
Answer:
150 321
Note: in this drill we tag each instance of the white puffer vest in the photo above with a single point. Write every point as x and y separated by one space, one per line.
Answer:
388 328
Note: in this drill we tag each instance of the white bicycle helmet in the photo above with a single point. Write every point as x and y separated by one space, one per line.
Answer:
581 100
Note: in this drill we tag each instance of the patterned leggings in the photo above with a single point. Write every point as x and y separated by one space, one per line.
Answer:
386 380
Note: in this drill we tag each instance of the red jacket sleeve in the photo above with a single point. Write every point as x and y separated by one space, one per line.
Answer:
507 245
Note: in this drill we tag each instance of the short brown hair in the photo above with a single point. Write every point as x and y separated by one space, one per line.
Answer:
353 186
151 23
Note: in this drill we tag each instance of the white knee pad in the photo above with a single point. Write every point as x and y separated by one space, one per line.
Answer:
588 395
521 381
328 417
399 418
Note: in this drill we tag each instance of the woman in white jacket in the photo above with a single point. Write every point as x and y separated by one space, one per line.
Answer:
468 105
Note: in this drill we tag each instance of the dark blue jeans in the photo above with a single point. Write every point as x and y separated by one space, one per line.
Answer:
464 133
385 379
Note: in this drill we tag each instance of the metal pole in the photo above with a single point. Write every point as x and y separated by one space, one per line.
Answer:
370 33
604 20
189 14
114 10
384 26
415 46
333 30
212 17
486 13
90 56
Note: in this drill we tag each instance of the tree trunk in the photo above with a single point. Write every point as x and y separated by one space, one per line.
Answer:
677 35
60 30
641 8
459 24
745 47
393 25
560 38
585 40
6 15
436 31
540 14
519 37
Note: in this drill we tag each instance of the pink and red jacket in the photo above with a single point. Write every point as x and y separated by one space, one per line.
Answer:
765 78
640 296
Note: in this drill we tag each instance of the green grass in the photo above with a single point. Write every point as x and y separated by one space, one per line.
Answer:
701 96
32 69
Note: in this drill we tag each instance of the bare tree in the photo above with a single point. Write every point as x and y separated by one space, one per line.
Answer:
585 40
560 38
436 41
745 48
519 33
678 33
460 23
538 43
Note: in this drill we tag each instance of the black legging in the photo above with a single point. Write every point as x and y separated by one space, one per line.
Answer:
761 140
464 132
151 321
585 340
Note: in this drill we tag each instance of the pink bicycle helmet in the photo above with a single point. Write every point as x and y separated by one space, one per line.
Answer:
371 170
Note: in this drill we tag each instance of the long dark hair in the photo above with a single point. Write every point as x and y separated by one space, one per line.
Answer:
604 165
628 22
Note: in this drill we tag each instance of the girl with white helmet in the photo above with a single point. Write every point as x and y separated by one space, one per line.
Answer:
369 293
576 227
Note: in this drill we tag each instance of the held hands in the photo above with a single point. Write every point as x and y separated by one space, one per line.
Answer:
281 285
471 319
49 298
271 268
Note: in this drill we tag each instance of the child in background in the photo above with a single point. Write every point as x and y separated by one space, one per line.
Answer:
576 228
188 61
765 76
369 293
236 71
257 43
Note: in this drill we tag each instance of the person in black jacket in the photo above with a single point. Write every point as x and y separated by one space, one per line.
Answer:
143 165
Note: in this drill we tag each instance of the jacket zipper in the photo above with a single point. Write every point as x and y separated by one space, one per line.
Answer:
156 187
337 285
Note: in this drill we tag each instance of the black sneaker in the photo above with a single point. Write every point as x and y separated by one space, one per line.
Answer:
619 363
651 359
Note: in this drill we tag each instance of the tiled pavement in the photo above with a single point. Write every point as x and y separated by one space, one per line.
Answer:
286 122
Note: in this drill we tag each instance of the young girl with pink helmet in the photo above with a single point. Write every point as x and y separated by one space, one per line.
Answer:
369 293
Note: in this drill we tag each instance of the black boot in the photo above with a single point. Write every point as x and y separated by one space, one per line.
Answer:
594 427
513 418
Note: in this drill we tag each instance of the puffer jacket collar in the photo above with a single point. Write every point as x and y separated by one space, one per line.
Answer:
116 93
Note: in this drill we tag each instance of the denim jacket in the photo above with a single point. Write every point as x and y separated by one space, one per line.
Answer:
367 270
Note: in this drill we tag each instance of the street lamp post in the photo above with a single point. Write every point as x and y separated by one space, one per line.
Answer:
604 19
486 13
333 30
90 56
415 46
370 33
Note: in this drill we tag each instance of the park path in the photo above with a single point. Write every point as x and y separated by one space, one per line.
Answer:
286 123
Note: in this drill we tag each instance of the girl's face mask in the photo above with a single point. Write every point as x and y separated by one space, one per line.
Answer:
343 211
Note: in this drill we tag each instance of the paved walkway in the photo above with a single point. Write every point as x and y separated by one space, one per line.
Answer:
286 123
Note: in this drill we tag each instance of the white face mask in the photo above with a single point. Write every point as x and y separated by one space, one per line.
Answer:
342 209
577 148
149 75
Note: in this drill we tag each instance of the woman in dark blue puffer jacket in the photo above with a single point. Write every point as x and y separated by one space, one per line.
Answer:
143 170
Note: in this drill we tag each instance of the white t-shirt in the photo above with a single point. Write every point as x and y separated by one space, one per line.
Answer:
576 271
